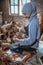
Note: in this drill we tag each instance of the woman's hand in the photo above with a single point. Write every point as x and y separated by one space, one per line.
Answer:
16 39
22 30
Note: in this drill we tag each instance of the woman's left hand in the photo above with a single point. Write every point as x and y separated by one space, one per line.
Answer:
16 39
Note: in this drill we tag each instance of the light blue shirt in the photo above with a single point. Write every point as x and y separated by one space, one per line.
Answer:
33 33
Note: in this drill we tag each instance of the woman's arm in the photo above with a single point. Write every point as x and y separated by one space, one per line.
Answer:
32 30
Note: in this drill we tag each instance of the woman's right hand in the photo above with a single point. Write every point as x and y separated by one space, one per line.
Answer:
16 39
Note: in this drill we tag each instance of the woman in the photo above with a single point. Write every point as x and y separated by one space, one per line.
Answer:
32 31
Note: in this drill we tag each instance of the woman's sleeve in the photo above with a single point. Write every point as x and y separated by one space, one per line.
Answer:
32 30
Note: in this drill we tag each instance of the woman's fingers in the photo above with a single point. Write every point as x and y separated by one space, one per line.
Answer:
15 39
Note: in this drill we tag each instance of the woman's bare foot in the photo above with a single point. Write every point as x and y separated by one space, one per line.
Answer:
27 56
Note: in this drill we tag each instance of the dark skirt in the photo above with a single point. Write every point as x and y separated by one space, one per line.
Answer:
21 49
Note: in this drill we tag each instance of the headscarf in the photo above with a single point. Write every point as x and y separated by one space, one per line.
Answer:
29 8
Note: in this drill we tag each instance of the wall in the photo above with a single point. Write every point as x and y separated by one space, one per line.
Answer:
39 4
0 5
4 7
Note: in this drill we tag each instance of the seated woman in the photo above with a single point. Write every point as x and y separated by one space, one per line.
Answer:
31 42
